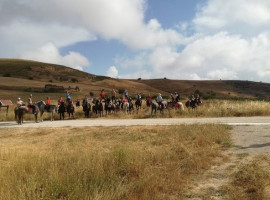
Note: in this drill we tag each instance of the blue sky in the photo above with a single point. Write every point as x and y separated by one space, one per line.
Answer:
177 39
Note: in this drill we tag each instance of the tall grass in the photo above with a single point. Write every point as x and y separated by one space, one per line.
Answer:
210 108
106 163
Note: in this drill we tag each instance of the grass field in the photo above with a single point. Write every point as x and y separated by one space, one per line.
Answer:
210 108
107 163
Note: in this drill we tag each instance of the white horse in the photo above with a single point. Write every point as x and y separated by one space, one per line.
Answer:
126 107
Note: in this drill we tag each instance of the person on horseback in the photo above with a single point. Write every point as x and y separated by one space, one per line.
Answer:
48 102
60 100
30 104
148 100
126 93
68 96
139 97
159 100
78 102
102 94
19 102
123 101
177 97
85 100
113 95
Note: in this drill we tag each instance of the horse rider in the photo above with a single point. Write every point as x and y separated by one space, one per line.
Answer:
60 100
126 93
173 97
113 95
68 96
123 101
78 102
139 97
159 100
191 97
85 100
102 94
148 99
47 102
19 102
177 97
30 104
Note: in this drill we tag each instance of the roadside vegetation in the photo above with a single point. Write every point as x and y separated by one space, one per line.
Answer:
250 181
209 108
107 163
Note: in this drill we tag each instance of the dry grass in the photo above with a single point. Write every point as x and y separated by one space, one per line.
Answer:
210 108
106 163
250 181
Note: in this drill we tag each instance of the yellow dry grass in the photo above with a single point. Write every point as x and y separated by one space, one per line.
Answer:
210 108
106 163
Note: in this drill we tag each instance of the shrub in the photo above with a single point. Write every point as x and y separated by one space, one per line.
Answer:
7 75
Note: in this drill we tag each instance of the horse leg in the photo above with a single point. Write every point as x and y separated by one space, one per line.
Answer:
41 116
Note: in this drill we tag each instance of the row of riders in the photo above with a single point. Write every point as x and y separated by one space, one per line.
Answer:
111 105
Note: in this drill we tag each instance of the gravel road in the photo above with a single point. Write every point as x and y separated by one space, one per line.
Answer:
235 121
250 134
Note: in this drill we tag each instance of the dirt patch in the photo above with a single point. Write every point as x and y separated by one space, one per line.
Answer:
251 139
248 141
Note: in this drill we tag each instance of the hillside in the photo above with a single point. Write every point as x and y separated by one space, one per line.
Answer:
22 77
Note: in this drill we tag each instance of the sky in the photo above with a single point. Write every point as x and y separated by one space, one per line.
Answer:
176 39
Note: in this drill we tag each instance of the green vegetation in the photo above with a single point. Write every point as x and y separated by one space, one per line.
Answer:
108 163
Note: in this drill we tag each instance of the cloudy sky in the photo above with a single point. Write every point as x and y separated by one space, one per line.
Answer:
177 39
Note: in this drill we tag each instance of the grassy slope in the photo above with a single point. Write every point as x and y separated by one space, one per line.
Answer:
20 71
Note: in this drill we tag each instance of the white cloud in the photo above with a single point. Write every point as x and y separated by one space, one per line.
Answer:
50 54
240 16
112 72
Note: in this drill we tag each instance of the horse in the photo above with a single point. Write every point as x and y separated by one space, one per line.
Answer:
61 110
148 102
138 103
109 106
47 108
70 109
193 103
176 105
126 107
130 106
97 107
156 106
21 110
86 108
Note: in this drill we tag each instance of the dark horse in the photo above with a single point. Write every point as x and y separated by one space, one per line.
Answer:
21 110
86 108
193 103
70 109
61 110
47 108
138 103
109 106
97 107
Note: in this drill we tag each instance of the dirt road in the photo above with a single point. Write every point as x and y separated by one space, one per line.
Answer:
235 121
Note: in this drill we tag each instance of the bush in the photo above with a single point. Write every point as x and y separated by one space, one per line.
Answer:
121 91
7 75
74 80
